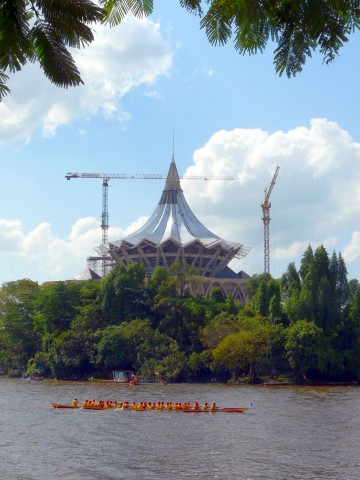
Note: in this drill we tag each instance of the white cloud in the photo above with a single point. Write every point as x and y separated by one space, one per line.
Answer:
46 256
351 251
316 198
119 60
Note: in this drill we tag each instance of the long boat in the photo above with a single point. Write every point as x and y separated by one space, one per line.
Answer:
218 410
61 405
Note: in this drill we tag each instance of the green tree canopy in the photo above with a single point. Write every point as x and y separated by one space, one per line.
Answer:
244 350
305 348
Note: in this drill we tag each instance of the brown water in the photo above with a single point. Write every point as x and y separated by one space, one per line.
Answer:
292 433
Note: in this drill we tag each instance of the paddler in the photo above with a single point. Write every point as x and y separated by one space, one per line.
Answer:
205 406
213 407
196 406
75 402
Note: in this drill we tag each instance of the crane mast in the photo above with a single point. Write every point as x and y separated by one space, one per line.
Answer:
125 176
265 205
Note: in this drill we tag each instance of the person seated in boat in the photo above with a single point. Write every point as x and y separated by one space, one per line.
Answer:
168 406
75 402
125 405
213 407
133 406
92 403
85 403
205 406
196 406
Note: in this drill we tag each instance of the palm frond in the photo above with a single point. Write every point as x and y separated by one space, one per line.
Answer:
117 10
4 89
70 18
217 27
54 58
193 6
15 47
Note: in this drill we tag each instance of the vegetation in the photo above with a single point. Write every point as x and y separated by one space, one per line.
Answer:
305 325
42 31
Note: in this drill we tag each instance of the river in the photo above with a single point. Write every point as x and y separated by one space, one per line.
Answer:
291 433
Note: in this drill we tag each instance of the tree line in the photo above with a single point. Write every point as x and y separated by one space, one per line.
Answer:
305 325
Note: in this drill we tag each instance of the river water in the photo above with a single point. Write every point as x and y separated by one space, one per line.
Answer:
291 433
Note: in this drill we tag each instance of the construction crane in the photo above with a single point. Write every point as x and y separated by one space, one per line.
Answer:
125 176
266 219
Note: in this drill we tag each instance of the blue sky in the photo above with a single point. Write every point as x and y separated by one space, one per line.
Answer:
230 114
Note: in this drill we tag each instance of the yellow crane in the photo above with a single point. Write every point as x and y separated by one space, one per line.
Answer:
266 219
106 177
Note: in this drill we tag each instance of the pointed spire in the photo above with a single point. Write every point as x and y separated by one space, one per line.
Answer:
172 186
172 179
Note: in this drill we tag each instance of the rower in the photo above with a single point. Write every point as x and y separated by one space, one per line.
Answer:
196 406
75 402
213 407
205 406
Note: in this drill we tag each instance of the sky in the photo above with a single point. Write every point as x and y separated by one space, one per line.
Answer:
156 87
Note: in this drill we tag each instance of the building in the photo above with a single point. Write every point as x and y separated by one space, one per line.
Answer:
173 233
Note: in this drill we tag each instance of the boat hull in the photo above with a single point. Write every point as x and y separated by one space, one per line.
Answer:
59 405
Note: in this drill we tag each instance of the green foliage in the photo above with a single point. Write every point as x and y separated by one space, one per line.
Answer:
307 322
217 295
219 328
245 350
18 341
42 31
123 293
306 348
111 348
56 305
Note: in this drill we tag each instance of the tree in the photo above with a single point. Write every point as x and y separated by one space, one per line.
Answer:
39 30
244 350
18 340
298 27
56 305
305 348
123 293
219 328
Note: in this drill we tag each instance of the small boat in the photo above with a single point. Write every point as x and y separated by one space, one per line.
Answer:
60 405
123 376
36 378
